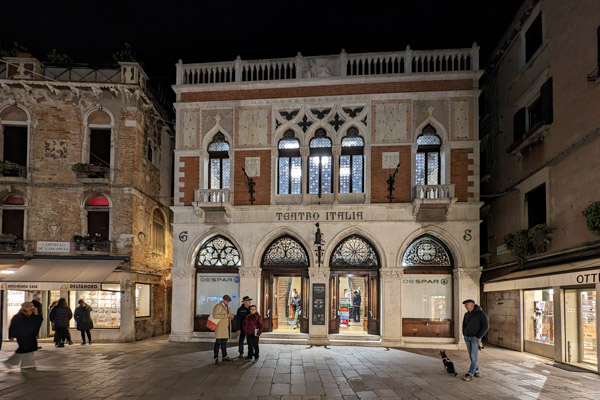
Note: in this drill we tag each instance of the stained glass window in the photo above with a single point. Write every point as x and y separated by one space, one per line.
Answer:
427 251
428 157
351 164
218 251
320 168
354 251
285 252
219 164
290 166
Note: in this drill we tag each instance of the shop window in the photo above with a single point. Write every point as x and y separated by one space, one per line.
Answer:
219 164
320 170
158 232
290 165
535 202
428 171
106 307
210 288
539 316
351 163
427 297
533 37
143 300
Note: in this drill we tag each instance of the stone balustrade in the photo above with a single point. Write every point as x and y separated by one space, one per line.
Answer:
342 65
212 197
437 192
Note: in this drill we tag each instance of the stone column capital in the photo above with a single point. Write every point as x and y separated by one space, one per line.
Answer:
246 272
318 274
392 273
183 273
473 273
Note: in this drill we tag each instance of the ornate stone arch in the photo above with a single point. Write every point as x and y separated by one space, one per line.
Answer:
444 149
89 113
354 251
269 238
10 113
217 251
285 251
200 239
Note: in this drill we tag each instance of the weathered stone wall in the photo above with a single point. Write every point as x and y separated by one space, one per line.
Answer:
503 310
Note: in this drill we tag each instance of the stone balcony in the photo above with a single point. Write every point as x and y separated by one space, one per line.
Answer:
212 203
433 202
343 65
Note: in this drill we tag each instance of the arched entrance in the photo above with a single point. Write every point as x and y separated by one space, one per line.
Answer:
217 261
354 288
427 289
285 286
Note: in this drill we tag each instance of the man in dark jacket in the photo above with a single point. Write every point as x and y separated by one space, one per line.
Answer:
24 327
356 306
60 317
475 325
297 308
240 316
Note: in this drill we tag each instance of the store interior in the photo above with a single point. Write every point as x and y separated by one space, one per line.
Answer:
352 321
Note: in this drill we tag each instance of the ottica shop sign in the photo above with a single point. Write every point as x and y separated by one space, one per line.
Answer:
593 277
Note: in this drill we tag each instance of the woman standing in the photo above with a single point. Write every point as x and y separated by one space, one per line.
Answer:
84 321
253 326
60 317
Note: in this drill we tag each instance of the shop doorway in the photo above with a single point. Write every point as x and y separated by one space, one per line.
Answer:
354 303
580 327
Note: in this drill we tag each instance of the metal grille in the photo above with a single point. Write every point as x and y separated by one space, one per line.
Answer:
354 251
427 251
218 251
285 252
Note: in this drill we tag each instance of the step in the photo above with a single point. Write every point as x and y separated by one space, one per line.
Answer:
357 338
363 343
293 336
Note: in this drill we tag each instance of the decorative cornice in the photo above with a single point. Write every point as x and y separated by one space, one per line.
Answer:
183 273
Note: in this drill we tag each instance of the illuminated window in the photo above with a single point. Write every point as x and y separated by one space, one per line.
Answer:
219 165
320 170
428 157
290 165
351 163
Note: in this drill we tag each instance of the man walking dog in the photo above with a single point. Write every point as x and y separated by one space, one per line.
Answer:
475 325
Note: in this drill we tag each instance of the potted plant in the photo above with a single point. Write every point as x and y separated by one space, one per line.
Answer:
7 238
539 235
518 244
592 216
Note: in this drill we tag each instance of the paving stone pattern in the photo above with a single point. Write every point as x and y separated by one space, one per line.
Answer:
157 369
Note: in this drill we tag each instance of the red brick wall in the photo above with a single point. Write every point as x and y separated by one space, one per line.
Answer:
460 172
379 176
331 90
190 180
262 189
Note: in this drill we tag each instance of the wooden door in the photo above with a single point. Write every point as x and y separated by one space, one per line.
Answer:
304 321
334 288
267 300
373 310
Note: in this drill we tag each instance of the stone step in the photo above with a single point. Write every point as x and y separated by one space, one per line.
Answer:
361 343
357 338
274 335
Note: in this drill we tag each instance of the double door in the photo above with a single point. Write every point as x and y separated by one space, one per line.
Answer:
342 286
281 290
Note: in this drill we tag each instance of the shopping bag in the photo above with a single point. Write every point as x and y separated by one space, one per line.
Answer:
211 323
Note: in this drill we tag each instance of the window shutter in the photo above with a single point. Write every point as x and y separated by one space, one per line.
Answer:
546 96
519 125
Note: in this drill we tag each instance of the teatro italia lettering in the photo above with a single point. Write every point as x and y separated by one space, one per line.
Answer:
320 216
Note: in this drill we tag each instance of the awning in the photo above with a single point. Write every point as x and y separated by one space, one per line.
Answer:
571 274
59 274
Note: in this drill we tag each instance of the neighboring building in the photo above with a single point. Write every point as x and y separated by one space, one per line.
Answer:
85 183
540 164
267 149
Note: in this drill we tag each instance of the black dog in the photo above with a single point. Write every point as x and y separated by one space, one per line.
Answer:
448 365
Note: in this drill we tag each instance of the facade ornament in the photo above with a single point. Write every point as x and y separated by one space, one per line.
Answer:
53 228
317 68
318 273
183 273
392 273
246 272
473 273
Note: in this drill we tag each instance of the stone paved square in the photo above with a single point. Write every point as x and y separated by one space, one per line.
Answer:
158 369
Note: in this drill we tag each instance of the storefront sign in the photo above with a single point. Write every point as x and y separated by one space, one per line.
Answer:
53 247
49 286
590 277
323 216
318 304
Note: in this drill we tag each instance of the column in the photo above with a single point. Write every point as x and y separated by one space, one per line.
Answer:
336 151
317 334
466 286
391 306
127 330
250 284
182 318
559 317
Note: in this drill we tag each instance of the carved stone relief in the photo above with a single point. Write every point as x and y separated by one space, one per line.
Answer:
391 122
190 129
253 126
461 120
249 272
210 118
56 149
252 166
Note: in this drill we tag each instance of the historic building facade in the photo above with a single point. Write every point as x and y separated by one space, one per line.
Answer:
341 193
85 190
539 168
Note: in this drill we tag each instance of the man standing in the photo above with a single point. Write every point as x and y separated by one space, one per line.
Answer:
222 312
24 327
296 307
356 306
241 315
475 325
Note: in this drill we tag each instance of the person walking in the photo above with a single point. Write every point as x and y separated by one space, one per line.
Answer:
222 312
297 308
83 318
60 316
475 325
24 327
356 306
35 300
242 313
253 326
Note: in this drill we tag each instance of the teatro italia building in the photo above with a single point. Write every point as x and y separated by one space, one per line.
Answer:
351 180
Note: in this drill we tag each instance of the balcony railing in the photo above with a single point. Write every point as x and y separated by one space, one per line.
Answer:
437 192
360 64
90 171
212 197
95 245
8 168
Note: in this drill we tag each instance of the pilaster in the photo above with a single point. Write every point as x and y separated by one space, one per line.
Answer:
391 306
318 333
182 319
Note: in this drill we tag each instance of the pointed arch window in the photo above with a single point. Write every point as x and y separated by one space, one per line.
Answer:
428 171
219 164
354 252
320 169
352 163
218 251
285 252
290 165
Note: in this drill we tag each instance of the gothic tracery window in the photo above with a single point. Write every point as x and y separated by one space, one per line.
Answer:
428 170
354 251
290 165
320 169
219 165
218 251
285 252
427 251
351 163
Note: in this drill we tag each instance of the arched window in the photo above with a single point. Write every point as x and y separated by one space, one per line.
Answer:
13 221
427 251
290 165
351 163
320 170
218 251
158 232
98 218
100 126
219 165
13 161
428 169
354 252
285 251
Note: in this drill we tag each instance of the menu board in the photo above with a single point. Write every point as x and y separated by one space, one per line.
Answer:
106 307
318 304
344 311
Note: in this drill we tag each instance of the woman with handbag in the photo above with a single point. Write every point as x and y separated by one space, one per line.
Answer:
253 326
223 314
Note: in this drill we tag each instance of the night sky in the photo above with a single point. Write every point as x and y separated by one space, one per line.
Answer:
202 31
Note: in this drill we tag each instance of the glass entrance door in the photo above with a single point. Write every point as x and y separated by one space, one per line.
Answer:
580 327
285 302
354 309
